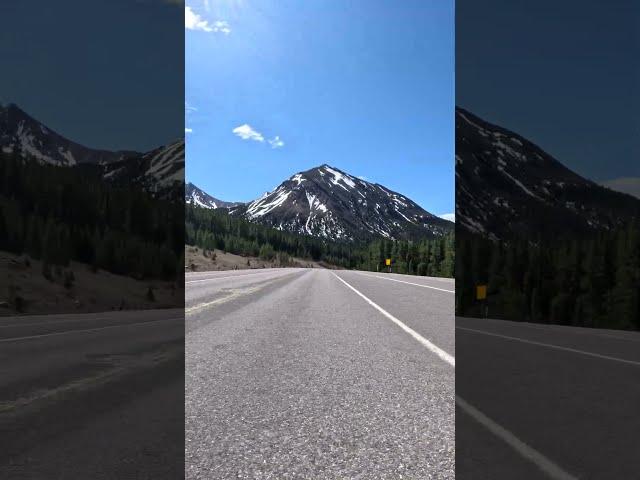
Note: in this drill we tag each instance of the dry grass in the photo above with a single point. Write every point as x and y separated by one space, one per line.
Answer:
202 261
25 290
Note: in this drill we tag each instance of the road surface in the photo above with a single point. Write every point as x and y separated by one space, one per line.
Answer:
316 374
542 401
96 396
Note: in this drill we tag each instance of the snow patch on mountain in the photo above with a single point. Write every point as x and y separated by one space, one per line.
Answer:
24 135
505 184
196 196
268 203
329 203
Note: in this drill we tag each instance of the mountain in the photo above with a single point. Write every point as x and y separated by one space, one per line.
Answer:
19 132
506 185
159 171
329 203
195 196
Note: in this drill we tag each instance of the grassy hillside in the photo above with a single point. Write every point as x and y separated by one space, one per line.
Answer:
198 259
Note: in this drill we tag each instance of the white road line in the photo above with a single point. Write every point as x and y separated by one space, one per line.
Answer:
543 463
52 322
231 276
450 359
55 322
68 332
593 332
548 345
448 280
409 283
214 278
240 272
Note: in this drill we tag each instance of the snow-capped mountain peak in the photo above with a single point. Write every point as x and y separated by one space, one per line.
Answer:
327 202
337 177
159 171
200 198
22 134
505 185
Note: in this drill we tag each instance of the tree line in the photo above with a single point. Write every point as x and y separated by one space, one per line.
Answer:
592 281
434 257
58 214
216 229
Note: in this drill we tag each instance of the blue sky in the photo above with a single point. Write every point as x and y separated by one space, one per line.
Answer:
106 73
277 87
563 74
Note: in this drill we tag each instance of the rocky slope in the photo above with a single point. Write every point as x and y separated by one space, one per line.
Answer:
329 203
195 196
160 171
21 133
507 185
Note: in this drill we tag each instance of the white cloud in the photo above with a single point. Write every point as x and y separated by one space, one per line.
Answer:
222 27
449 216
193 21
246 132
189 108
275 142
630 185
188 130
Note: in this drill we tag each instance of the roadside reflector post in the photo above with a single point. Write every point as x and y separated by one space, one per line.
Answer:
481 295
481 292
388 264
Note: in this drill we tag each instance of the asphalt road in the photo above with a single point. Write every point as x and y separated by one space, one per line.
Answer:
97 396
293 373
541 401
